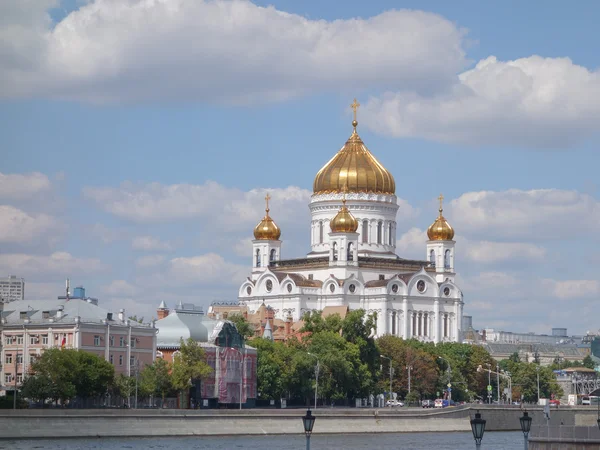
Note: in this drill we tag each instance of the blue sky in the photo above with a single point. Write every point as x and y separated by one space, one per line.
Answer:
138 142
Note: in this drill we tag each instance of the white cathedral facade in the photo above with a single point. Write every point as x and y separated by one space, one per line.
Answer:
352 261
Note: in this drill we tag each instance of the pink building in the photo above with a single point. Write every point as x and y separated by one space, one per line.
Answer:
31 326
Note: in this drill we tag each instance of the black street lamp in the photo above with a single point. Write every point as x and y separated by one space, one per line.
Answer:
525 427
478 428
309 421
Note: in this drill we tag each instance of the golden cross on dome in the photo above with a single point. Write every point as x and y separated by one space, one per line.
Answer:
441 199
344 191
267 198
354 107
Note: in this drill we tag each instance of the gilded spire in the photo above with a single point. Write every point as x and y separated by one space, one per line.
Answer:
266 228
355 105
440 230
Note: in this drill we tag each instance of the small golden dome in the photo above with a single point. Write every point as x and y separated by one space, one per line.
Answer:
355 167
344 221
267 230
440 230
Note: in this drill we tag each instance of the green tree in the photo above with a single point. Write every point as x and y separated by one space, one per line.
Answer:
38 388
589 362
155 379
245 328
189 364
125 385
135 319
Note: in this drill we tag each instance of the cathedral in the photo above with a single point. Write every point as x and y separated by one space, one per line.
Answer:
352 259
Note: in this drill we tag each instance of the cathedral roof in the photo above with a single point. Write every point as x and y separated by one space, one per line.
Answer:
344 221
355 167
440 230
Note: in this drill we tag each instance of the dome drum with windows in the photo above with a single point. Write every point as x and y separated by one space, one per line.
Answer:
267 230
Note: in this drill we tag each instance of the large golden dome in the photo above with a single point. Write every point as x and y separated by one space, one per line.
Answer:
344 221
440 230
267 230
355 167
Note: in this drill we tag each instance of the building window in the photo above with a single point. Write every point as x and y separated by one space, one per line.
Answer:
8 359
32 358
365 231
132 342
33 340
45 339
447 259
111 359
349 256
335 251
257 257
320 232
19 378
19 340
23 315
97 340
394 323
45 314
132 361
120 360
7 378
273 256
9 340
432 257
390 234
20 358
122 341
379 232
111 341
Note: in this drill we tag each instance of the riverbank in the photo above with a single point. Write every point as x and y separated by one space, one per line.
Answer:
57 423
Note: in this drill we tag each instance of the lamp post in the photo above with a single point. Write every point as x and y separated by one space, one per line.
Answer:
449 377
498 381
241 372
478 428
390 359
308 421
489 384
409 368
316 377
15 391
525 427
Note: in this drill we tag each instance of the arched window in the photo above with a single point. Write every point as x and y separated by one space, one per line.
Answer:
379 232
273 256
390 234
394 323
335 250
447 259
258 257
432 257
349 255
320 232
365 231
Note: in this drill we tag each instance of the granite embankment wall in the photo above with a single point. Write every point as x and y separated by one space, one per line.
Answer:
57 423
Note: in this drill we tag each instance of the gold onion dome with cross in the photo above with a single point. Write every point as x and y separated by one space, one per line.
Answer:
344 221
440 230
354 167
267 230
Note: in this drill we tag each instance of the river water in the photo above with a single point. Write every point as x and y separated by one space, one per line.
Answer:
406 441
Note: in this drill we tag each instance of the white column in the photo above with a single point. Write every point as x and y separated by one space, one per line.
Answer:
107 343
398 324
389 322
405 318
436 318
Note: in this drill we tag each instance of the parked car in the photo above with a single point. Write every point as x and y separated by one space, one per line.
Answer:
439 403
554 402
427 403
394 403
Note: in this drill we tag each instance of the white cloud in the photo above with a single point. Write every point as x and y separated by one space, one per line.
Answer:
495 252
121 288
150 243
412 244
230 208
534 101
104 233
206 269
533 215
22 186
58 264
17 226
114 51
149 261
573 289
